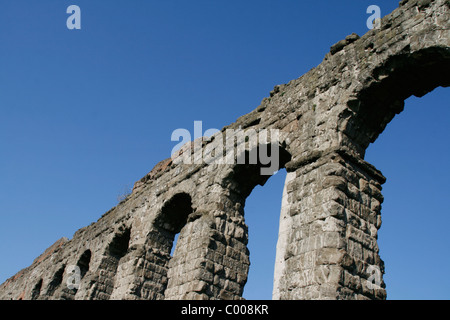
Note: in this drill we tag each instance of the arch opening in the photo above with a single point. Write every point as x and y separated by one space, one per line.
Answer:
172 218
246 177
175 212
400 77
83 263
56 281
105 280
119 245
260 198
386 90
69 293
262 215
36 292
412 152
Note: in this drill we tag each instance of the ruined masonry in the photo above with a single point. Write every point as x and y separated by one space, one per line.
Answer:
330 215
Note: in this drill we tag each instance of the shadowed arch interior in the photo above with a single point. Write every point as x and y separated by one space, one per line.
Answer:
175 212
36 290
83 262
245 177
119 245
243 180
56 281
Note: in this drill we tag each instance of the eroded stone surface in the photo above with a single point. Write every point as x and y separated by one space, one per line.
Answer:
331 208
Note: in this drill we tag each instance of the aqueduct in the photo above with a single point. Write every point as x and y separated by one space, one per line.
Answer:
331 206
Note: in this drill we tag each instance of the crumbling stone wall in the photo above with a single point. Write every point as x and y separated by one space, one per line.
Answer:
331 206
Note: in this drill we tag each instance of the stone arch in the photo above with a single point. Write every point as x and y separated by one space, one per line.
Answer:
36 292
84 262
192 272
245 177
173 217
101 284
174 213
410 152
213 259
222 270
56 281
262 212
400 76
118 247
330 248
69 274
155 256
117 250
332 199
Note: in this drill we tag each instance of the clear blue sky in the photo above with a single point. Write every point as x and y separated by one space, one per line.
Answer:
86 113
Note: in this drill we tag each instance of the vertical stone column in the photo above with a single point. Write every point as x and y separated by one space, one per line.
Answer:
329 251
189 271
211 259
283 239
144 273
361 197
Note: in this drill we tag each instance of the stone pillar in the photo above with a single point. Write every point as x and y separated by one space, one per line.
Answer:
189 269
330 216
144 271
211 259
283 239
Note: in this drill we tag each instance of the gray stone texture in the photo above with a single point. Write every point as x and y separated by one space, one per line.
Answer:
330 215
